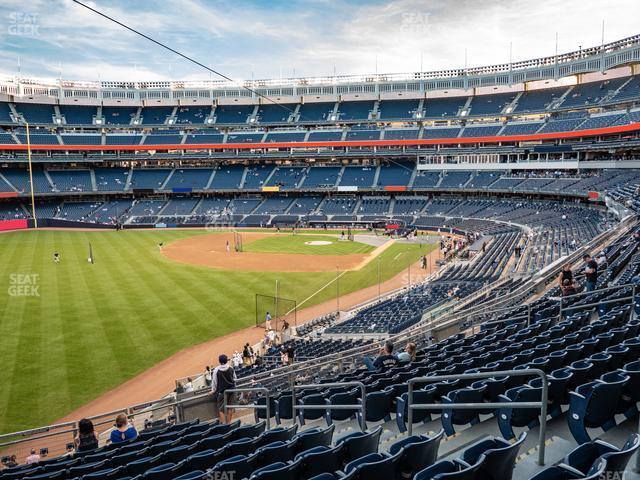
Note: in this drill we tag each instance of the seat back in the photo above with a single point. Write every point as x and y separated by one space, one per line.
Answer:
617 461
314 438
360 444
499 462
418 452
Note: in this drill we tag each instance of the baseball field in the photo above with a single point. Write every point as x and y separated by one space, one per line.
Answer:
73 330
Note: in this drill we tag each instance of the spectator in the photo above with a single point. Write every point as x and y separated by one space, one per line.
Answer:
246 355
188 387
223 379
12 462
591 273
384 361
636 237
568 288
33 458
124 430
207 376
291 352
409 354
565 274
87 438
236 359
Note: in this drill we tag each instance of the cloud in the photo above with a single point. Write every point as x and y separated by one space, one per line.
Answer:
258 39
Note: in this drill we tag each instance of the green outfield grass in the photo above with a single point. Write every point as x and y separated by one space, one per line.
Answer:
297 244
92 327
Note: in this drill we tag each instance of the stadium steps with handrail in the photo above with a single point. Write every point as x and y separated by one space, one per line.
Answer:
243 178
127 184
512 105
211 177
166 181
3 178
50 180
376 177
412 179
92 176
557 103
466 108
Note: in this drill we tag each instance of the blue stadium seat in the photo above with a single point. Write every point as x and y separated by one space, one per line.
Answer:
203 460
359 444
276 452
278 434
141 465
584 456
565 472
194 475
594 404
631 392
314 437
278 471
451 417
247 431
314 399
558 382
378 406
342 398
242 446
417 452
80 470
239 466
319 460
450 470
499 457
518 417
161 472
375 466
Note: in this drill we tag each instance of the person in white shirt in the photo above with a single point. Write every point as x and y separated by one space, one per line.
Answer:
33 458
188 387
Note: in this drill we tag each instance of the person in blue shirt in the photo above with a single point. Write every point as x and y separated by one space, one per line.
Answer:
384 361
124 431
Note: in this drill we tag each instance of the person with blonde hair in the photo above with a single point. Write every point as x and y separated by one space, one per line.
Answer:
409 353
124 431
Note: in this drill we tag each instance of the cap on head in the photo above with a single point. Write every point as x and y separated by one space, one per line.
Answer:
223 359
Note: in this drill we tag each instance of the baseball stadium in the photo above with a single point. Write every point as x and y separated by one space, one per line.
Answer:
422 275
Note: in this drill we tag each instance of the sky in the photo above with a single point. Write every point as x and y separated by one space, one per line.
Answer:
50 39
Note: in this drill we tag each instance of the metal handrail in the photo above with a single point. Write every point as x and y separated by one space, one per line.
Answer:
362 407
573 308
470 406
253 406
